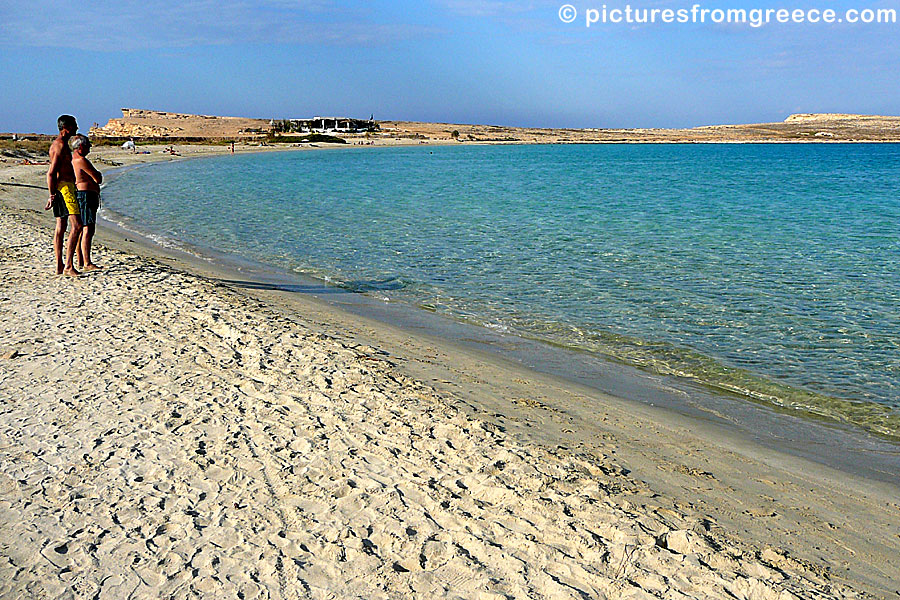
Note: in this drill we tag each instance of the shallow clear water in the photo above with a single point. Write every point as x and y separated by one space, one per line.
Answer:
766 270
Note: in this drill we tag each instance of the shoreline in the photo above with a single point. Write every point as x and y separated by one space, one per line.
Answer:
709 399
703 470
631 384
845 447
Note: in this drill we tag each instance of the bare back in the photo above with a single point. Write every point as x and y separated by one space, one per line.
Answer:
60 162
87 178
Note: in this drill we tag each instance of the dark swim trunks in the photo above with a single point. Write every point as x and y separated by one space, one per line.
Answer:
59 207
89 203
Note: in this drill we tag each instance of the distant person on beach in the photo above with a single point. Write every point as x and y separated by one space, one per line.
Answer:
61 183
87 180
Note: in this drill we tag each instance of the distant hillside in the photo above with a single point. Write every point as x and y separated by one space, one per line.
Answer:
151 124
796 128
808 117
140 123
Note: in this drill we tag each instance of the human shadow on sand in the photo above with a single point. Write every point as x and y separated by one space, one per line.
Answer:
37 187
349 287
285 287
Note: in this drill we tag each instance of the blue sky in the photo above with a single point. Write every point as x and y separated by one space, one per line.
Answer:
498 62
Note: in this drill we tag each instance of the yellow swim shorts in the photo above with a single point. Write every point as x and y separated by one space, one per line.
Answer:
66 189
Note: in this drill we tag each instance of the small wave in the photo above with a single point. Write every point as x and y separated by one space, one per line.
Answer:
667 359
362 286
160 240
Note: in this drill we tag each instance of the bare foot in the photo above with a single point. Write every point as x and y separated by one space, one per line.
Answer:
91 267
71 272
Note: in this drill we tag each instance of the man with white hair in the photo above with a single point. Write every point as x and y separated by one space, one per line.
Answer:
87 182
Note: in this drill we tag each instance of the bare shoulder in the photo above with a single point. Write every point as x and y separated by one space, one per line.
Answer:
60 148
83 163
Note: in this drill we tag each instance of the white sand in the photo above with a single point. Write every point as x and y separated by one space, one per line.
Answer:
163 435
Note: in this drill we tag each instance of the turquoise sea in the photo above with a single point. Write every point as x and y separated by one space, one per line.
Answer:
769 271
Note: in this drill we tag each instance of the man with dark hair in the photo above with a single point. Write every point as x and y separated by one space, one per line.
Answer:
87 180
61 183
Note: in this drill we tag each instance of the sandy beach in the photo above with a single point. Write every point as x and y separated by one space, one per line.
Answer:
167 434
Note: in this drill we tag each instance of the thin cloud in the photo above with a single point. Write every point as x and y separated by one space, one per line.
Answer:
486 8
139 25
